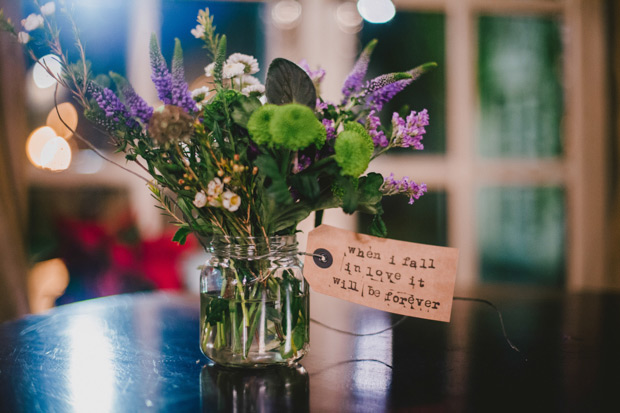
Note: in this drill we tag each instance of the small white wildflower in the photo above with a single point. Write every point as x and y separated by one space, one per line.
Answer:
215 187
198 31
209 69
231 201
215 201
253 88
32 22
23 37
231 70
48 8
250 64
200 199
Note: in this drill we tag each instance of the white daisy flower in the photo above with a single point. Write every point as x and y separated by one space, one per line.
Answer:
249 62
200 96
231 70
209 69
253 88
245 81
201 91
23 37
48 8
215 187
198 31
231 201
200 199
32 22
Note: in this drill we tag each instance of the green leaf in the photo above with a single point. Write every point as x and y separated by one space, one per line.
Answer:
181 235
243 108
350 198
369 193
378 228
278 189
216 310
307 185
288 83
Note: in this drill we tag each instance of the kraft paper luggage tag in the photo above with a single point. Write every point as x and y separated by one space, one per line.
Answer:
405 278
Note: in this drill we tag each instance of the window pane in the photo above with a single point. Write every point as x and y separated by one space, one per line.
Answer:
521 235
423 222
519 79
405 42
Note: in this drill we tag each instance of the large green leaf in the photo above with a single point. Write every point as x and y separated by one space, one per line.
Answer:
288 83
243 109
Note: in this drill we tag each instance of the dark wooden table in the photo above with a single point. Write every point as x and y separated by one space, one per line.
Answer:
140 352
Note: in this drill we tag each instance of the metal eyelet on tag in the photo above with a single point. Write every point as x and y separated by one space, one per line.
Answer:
323 258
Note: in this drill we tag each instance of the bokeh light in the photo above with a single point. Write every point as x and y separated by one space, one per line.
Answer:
348 18
69 114
286 14
41 77
56 155
36 142
376 11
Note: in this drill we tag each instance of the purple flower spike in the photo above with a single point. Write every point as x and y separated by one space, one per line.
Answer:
403 186
161 76
113 107
377 99
138 108
180 91
353 82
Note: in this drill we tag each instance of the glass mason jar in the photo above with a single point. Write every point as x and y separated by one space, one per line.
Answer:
254 306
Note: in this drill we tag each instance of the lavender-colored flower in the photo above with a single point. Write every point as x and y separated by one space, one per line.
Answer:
353 82
329 129
321 105
317 75
377 99
113 107
380 82
302 162
378 136
408 132
181 96
138 108
404 186
171 87
161 76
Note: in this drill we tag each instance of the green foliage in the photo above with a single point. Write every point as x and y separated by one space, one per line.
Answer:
220 57
352 152
259 124
243 109
288 83
295 127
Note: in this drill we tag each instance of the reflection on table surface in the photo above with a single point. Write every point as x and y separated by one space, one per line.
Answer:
140 353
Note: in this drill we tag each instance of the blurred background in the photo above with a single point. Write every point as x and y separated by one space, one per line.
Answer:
521 156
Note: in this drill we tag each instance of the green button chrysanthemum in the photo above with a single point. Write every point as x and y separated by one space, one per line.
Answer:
353 152
295 127
361 130
258 124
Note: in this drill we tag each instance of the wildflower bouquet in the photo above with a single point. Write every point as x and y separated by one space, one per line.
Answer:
242 160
